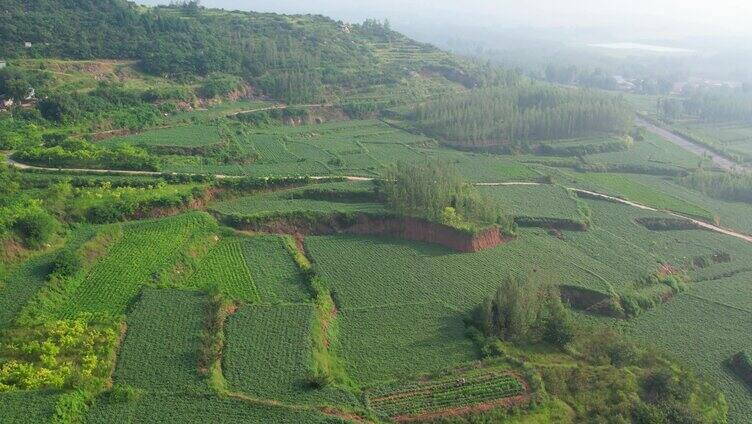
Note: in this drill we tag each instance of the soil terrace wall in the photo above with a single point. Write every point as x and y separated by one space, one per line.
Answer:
363 224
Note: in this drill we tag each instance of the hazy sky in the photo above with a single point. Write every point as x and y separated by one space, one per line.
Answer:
660 17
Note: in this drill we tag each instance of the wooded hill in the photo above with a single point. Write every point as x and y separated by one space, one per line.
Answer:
289 57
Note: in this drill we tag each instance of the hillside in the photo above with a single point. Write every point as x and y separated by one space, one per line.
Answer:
216 216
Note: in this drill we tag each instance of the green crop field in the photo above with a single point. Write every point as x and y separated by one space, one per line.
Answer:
268 355
183 136
653 151
273 270
357 147
736 139
544 201
27 407
415 398
703 334
625 186
21 286
224 267
275 204
371 272
172 408
175 318
155 268
402 340
114 281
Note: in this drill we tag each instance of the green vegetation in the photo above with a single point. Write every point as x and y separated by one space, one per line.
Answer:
224 268
175 318
122 301
525 311
435 191
416 398
390 342
112 282
274 272
596 371
268 353
520 115
732 187
57 355
539 205
80 154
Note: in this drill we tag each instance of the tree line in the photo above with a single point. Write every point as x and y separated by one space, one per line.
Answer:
715 106
519 115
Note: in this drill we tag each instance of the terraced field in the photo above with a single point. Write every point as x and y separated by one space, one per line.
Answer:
156 246
401 340
268 355
224 267
198 135
273 270
176 319
421 398
536 202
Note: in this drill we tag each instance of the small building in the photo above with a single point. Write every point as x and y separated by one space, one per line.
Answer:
3 64
27 44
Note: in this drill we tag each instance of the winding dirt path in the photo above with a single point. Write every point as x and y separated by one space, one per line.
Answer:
353 178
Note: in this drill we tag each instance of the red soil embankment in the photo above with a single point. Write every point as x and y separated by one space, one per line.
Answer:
429 232
407 228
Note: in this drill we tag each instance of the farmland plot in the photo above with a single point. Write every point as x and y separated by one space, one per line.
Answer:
400 341
27 407
155 246
543 201
160 350
268 353
21 286
277 203
373 272
626 186
197 135
704 335
273 270
653 151
414 398
166 408
224 267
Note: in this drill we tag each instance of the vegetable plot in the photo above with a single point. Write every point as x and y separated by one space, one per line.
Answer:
420 397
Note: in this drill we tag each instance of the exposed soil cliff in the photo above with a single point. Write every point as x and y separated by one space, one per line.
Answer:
363 224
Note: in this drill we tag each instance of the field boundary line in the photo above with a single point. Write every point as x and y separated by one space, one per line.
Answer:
715 302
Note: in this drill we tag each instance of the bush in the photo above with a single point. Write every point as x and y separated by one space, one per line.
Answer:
67 263
36 227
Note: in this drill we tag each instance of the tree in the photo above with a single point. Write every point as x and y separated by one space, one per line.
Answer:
524 310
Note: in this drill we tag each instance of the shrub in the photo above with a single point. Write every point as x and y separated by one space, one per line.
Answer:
67 263
36 227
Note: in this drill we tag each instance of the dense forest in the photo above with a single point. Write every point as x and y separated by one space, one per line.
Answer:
522 114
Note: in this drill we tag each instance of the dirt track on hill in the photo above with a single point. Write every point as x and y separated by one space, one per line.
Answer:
703 224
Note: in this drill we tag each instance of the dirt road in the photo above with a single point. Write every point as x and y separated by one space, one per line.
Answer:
705 225
720 161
